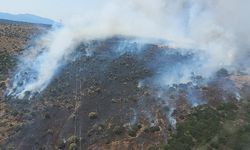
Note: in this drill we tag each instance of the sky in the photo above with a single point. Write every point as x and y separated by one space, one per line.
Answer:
53 9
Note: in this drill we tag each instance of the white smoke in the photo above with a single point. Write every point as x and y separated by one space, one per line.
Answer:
216 29
41 62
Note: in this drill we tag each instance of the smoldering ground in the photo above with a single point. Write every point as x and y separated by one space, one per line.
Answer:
127 79
202 33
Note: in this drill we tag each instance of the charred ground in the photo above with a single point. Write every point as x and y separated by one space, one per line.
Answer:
95 102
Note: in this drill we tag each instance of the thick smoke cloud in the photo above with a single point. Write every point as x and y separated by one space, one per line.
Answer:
216 30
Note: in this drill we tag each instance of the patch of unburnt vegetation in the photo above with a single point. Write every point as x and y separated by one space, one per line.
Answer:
223 127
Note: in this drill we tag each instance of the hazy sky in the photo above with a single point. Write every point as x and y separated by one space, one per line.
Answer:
54 9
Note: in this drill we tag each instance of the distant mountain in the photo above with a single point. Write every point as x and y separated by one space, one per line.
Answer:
26 18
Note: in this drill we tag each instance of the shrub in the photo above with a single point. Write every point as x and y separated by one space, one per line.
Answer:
92 115
72 139
73 146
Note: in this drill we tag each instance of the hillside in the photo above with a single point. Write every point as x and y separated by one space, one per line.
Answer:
104 99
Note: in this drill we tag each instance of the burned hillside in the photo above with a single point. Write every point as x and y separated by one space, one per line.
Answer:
107 97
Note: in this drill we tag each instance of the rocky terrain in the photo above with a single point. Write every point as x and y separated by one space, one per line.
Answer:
106 100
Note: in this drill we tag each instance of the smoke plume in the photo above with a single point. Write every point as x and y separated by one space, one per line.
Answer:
216 32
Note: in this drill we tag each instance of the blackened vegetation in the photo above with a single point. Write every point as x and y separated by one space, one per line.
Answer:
95 102
92 98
